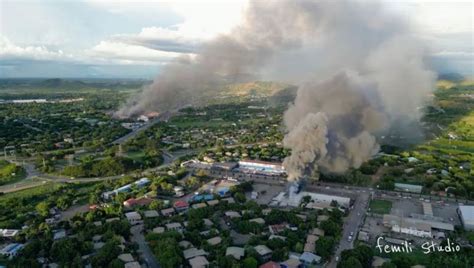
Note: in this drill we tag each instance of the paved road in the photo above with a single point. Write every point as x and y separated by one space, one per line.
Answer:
162 117
144 249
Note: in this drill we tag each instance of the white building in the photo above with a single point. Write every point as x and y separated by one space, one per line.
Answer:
262 166
466 213
415 227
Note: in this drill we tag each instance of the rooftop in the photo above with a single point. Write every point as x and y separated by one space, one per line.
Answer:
235 252
262 250
467 213
198 262
193 252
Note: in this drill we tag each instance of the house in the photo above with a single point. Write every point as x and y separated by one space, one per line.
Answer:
258 220
181 205
310 244
277 228
133 264
322 218
291 263
98 245
208 223
126 257
277 237
132 202
158 230
133 217
229 200
232 214
174 226
112 219
11 250
59 234
185 244
214 241
235 252
308 258
363 236
151 214
212 202
167 212
270 264
193 252
199 205
264 252
317 231
199 262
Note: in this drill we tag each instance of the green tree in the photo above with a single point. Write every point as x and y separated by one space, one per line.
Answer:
350 262
250 262
42 208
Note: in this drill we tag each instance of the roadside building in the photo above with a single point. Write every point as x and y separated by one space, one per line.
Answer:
261 167
11 250
466 213
415 226
411 188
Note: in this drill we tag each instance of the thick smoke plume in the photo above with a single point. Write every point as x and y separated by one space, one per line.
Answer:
359 70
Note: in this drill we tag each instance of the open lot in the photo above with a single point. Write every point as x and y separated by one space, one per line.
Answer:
380 206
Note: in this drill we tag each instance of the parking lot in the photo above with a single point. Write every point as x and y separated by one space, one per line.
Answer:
265 192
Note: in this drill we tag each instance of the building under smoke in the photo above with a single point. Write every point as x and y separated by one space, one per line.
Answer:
359 70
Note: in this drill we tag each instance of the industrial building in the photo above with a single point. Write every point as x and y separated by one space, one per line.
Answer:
261 167
126 188
318 201
466 213
411 188
414 226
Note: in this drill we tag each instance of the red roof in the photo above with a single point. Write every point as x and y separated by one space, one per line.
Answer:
181 204
270 264
138 202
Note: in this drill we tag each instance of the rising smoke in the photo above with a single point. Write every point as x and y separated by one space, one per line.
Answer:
359 71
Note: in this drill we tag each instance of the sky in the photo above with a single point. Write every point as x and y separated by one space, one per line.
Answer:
135 39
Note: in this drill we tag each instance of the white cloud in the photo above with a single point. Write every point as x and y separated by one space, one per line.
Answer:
122 53
11 51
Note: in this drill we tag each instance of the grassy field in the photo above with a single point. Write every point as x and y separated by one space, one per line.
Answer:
10 173
380 206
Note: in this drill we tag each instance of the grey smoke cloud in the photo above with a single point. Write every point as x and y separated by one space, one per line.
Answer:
359 70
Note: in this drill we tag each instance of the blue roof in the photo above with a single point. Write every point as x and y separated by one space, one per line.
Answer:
12 248
309 257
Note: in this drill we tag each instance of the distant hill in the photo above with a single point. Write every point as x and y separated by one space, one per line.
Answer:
257 88
70 84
